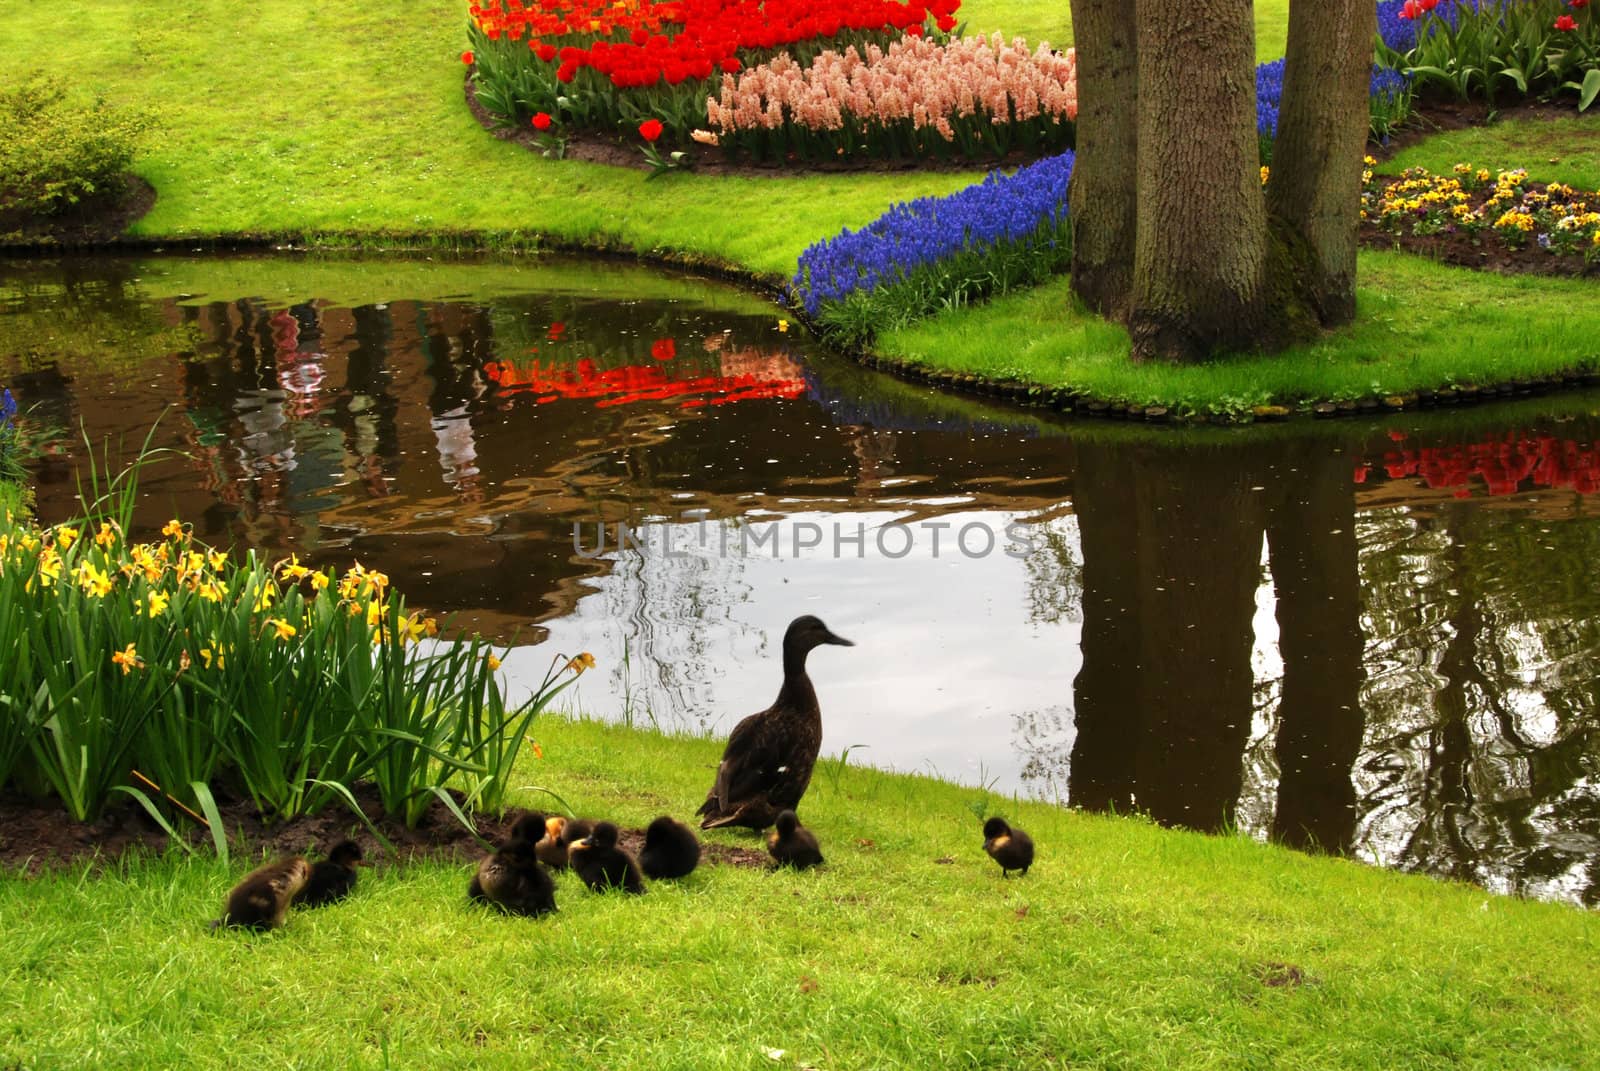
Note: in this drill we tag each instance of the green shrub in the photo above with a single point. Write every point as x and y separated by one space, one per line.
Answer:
56 152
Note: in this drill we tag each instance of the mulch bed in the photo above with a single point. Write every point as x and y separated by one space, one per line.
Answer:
35 836
98 220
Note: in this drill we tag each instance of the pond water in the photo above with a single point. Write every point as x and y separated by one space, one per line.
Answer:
1379 637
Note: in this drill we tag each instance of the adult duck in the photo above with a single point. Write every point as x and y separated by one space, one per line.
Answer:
768 761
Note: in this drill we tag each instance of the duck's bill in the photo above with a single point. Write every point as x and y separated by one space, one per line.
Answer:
840 640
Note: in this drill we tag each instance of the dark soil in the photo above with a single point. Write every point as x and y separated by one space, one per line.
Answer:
97 221
36 835
598 148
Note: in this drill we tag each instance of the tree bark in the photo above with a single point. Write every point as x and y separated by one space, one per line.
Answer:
1200 255
1315 188
1104 210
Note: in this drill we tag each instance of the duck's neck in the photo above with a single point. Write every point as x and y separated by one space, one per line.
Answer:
796 690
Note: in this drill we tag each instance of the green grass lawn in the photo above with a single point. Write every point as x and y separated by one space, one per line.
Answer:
1559 150
1126 947
349 121
1419 325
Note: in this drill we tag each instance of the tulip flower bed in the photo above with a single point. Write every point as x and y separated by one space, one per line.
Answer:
969 97
609 67
1492 48
132 665
1473 218
1005 232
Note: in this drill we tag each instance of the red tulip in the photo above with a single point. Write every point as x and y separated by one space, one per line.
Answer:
650 130
1566 24
663 349
1578 3
541 121
466 57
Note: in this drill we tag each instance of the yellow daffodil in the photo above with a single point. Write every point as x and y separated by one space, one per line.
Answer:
173 529
106 536
66 536
49 566
581 662
783 326
319 581
128 659
156 603
492 661
282 628
92 580
293 570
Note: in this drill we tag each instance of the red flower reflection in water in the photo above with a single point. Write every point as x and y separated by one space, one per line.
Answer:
740 375
1502 463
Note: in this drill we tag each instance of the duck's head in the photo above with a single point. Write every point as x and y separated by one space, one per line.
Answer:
807 632
996 827
787 823
345 853
530 827
603 836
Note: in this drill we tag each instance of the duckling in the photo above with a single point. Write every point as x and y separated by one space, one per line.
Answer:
767 764
551 849
513 879
262 898
671 850
793 844
601 864
1008 846
559 836
333 878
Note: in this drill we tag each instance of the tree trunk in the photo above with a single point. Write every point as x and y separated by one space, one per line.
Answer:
1315 188
1102 203
1200 257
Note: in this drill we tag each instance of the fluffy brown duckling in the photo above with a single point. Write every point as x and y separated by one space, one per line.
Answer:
601 864
333 878
262 898
559 835
793 844
770 755
671 850
1008 846
512 878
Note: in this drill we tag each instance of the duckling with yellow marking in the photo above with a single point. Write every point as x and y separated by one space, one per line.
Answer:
1008 846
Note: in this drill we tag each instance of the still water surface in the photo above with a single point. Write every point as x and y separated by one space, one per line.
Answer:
1375 637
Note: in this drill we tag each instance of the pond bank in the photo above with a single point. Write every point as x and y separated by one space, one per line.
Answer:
1126 945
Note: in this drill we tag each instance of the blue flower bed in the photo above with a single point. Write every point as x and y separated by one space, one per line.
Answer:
1020 210
992 226
1386 86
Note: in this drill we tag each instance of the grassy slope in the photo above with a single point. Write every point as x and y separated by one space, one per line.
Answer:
1420 325
349 119
1127 947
